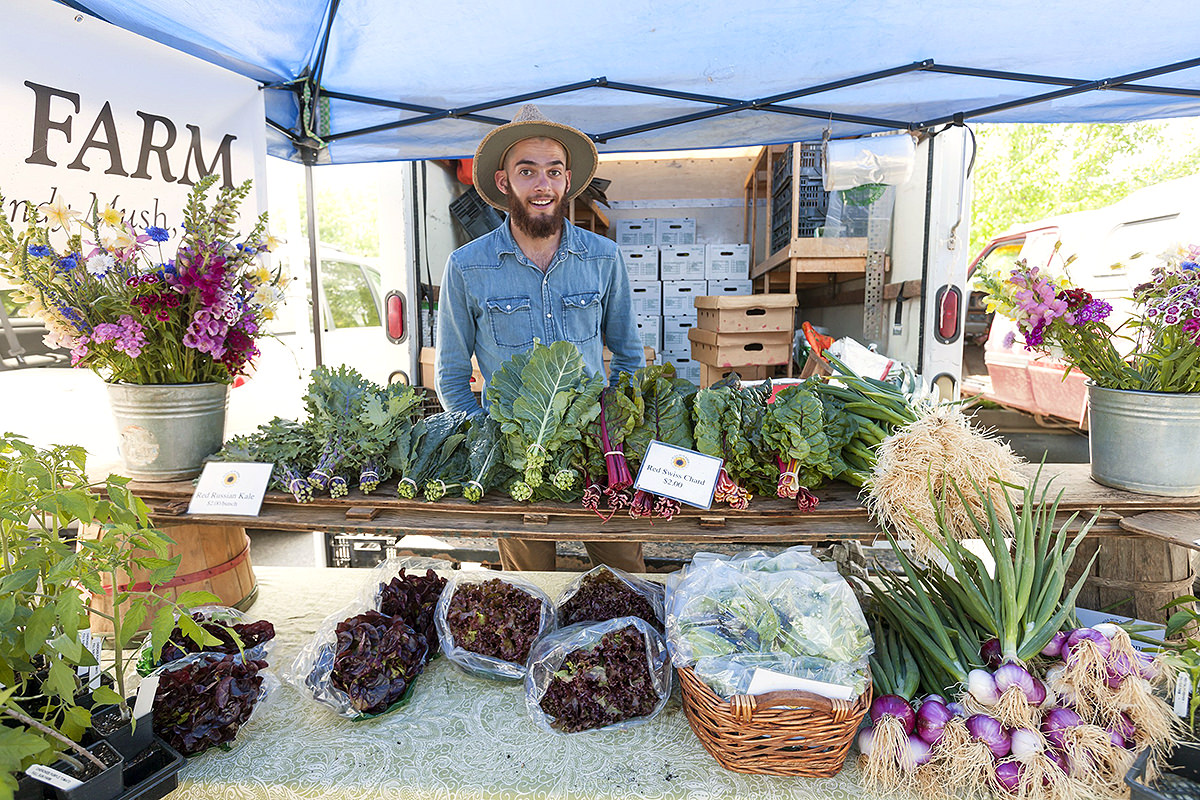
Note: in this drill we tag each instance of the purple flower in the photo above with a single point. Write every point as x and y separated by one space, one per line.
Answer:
1187 265
68 262
1010 339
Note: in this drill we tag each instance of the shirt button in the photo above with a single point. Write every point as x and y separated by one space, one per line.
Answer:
549 316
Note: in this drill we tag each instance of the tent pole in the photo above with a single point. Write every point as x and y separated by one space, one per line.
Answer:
313 265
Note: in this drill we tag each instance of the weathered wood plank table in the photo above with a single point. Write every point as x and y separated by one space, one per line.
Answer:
840 515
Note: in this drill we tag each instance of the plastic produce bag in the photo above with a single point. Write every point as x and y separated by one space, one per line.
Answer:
608 675
727 617
383 572
204 699
259 636
490 630
597 593
359 662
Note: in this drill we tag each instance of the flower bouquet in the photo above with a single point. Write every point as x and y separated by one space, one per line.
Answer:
131 311
1156 350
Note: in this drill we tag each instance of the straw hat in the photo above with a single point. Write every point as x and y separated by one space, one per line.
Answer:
529 123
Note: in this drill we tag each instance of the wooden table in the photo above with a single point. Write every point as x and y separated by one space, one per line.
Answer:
840 515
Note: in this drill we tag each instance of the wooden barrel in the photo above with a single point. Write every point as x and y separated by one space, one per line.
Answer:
212 558
1134 576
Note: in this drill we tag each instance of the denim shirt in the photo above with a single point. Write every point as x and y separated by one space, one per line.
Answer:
495 302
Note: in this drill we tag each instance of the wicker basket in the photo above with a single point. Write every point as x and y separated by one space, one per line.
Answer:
809 738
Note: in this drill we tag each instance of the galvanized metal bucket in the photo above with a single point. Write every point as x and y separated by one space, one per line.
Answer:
1145 441
166 431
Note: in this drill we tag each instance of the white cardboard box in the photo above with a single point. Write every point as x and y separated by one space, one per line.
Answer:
675 231
650 329
685 368
677 297
726 262
641 262
675 335
681 262
647 299
637 232
727 287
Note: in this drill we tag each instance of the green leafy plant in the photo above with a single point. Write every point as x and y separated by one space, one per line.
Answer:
50 580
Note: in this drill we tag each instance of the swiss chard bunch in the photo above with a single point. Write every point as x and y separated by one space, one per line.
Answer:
494 618
376 659
666 410
602 685
794 428
204 699
542 398
413 598
718 431
602 596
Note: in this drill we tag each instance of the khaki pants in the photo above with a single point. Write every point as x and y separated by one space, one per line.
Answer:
528 554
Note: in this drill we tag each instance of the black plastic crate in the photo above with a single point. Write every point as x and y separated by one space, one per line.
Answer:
810 160
474 214
358 549
1180 778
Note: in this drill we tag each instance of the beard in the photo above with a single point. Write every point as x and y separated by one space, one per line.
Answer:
542 226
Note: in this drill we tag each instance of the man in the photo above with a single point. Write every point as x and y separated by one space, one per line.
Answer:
537 276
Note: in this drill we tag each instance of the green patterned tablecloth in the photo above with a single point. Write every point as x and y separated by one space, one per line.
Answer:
458 737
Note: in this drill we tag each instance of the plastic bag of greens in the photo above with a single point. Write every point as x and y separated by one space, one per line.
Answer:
731 675
487 624
409 588
234 635
359 662
790 604
204 699
605 593
607 675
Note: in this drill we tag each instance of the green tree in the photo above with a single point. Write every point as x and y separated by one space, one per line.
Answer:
347 218
1024 172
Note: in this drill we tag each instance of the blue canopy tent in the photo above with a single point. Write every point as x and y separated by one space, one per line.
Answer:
375 80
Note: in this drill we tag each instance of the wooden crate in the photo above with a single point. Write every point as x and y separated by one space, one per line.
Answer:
740 349
710 373
745 313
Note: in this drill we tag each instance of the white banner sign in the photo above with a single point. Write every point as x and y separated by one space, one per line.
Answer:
94 112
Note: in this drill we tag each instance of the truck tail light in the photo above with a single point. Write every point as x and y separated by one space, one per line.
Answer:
394 307
949 303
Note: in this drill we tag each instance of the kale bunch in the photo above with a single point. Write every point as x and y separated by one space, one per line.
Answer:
603 596
204 699
376 659
413 598
495 619
232 638
602 685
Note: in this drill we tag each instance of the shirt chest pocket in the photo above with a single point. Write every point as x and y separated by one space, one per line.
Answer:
581 316
511 319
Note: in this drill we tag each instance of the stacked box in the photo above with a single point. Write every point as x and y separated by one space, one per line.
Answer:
736 288
675 231
641 262
647 299
726 262
685 367
681 262
749 332
650 329
675 335
678 297
740 349
637 232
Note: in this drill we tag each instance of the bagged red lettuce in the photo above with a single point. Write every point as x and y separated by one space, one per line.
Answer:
605 593
592 676
487 625
413 598
203 700
375 660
